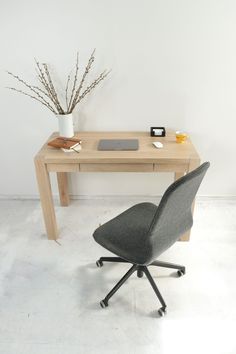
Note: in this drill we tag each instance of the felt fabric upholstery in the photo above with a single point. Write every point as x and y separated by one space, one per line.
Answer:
144 231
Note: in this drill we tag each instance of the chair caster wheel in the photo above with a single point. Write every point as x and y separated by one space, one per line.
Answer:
99 263
181 272
139 273
104 303
162 311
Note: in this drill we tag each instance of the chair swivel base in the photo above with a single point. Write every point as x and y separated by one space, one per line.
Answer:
140 270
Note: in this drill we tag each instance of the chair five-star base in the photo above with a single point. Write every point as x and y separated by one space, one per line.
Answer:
140 269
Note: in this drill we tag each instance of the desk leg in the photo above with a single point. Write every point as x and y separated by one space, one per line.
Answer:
45 193
193 163
178 175
63 188
184 237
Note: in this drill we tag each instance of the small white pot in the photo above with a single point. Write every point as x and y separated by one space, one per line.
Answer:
65 125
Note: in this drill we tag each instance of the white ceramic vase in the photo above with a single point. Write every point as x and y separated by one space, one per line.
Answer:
65 125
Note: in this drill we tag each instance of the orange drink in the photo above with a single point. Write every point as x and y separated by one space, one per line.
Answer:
181 137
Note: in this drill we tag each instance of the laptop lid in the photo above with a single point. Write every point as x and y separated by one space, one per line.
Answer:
118 144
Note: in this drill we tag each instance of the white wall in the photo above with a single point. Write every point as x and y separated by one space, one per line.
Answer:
173 64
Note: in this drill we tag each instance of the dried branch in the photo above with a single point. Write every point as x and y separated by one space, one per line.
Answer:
43 79
52 88
35 98
90 62
75 79
67 87
45 84
30 87
91 87
47 95
42 91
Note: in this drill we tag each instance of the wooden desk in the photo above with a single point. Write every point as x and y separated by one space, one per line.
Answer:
173 157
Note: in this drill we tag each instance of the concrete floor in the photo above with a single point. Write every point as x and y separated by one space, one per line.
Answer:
50 292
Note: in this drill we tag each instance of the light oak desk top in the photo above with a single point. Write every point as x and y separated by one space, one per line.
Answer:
173 157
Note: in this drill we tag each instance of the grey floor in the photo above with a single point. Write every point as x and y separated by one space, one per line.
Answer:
50 292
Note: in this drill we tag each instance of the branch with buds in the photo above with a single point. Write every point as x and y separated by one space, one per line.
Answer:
47 93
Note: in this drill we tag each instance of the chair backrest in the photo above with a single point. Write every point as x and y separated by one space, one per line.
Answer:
174 213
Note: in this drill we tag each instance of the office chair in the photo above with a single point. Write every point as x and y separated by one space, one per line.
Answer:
143 232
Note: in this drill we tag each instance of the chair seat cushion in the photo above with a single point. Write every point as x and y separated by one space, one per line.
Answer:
127 234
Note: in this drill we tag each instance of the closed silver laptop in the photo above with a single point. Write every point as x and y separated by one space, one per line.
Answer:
118 144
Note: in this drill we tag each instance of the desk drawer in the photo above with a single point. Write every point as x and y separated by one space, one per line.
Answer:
170 167
63 167
116 167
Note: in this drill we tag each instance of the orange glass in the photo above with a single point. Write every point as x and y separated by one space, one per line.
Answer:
181 137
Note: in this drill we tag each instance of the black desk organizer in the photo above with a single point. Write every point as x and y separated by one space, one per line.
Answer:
162 133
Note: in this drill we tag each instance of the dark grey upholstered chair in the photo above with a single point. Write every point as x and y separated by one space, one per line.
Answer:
143 232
